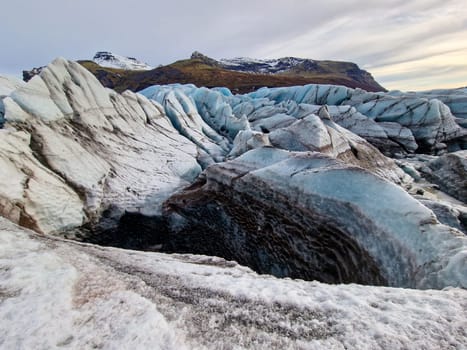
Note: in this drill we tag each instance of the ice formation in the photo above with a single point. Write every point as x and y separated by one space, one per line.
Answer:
449 172
7 86
429 120
455 99
283 125
116 152
317 213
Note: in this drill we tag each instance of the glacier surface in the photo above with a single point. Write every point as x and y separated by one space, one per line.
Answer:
56 293
116 152
314 209
291 181
430 121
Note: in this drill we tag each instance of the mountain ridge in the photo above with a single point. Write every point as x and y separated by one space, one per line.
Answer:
239 75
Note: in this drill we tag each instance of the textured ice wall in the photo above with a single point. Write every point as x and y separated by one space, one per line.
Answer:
284 212
114 152
430 120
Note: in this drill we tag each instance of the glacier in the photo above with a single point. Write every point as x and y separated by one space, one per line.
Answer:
455 99
100 144
337 210
7 86
393 124
364 192
430 121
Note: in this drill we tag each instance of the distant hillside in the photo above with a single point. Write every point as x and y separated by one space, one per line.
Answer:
240 75
336 72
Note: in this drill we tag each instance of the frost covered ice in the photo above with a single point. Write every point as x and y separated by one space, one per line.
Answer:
61 294
429 120
283 125
318 213
7 86
455 99
393 124
107 151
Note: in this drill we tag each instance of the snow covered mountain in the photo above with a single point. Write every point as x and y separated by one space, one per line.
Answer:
111 60
336 72
240 75
313 183
271 66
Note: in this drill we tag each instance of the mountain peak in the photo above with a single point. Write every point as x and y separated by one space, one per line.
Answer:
206 59
111 60
197 54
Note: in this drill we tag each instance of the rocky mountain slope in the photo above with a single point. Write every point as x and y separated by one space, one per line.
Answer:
338 73
239 75
291 182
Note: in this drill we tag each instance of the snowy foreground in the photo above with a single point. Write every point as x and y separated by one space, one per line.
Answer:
59 294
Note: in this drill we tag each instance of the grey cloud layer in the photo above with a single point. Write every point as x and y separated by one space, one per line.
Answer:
375 35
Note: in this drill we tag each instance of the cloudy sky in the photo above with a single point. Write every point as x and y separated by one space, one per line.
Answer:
408 45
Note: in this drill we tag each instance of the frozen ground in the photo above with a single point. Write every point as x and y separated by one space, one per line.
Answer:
59 294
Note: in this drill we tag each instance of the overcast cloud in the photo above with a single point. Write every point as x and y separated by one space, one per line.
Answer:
409 45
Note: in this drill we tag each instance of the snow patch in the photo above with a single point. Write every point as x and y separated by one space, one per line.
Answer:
111 60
